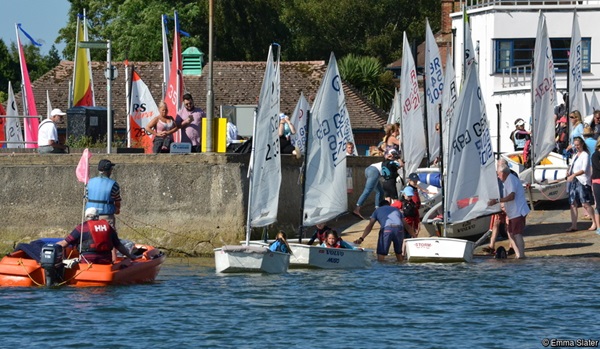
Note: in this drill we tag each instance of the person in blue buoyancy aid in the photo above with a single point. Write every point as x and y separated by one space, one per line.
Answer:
98 240
280 244
104 193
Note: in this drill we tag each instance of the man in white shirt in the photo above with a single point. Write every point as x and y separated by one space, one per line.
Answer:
515 206
48 135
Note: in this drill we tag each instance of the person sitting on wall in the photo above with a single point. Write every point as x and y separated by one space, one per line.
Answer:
48 135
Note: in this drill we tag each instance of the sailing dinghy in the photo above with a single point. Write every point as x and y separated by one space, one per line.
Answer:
546 178
470 180
325 195
265 179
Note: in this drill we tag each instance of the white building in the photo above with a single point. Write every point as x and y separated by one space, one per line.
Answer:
503 34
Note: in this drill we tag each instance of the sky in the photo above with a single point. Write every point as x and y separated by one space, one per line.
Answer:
39 18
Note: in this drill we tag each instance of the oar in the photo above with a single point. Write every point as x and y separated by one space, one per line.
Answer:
482 239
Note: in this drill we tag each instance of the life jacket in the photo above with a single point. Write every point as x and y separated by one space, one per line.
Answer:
389 169
409 208
100 237
98 194
527 154
322 233
520 137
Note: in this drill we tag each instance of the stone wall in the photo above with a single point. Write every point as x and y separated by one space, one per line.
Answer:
186 204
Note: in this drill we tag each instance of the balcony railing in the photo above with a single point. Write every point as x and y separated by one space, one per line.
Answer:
485 3
517 76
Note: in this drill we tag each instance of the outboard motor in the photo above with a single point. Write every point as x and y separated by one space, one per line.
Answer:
51 260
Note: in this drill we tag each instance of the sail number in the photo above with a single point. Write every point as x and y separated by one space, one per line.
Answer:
483 143
334 135
273 147
436 82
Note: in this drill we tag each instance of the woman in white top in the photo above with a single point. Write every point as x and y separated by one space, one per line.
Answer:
579 184
372 174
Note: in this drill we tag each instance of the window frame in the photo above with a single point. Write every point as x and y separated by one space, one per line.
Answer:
505 57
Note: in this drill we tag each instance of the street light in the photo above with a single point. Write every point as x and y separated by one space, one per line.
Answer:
110 75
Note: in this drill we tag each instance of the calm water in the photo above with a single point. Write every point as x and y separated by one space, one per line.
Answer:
486 304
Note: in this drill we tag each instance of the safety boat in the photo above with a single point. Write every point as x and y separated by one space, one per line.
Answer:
44 263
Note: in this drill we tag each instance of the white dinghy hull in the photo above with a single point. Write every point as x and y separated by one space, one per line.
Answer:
438 250
469 230
549 182
250 259
305 256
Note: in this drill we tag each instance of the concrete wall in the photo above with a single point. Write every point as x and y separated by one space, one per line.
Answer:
186 204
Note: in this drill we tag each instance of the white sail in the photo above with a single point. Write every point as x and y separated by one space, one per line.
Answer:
13 130
298 119
471 177
413 132
396 109
435 86
265 176
575 62
325 195
594 105
544 94
469 50
449 98
588 108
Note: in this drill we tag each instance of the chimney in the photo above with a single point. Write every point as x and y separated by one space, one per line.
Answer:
447 9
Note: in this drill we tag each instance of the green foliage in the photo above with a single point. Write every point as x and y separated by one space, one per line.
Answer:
305 29
83 142
369 77
10 69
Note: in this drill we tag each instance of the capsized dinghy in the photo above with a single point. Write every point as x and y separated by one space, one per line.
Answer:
43 263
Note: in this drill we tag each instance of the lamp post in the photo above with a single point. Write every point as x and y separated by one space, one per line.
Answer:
110 75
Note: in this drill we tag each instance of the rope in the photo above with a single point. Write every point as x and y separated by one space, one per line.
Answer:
26 272
155 243
558 196
76 275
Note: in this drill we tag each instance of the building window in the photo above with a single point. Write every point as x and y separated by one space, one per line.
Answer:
519 53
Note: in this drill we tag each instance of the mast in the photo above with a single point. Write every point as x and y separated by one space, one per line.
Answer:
303 178
251 175
442 172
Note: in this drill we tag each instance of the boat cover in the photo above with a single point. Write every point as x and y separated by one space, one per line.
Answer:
34 248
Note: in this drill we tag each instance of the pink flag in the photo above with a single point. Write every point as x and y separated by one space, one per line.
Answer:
173 96
83 168
30 124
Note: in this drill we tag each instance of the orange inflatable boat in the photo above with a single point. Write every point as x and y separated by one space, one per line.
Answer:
42 263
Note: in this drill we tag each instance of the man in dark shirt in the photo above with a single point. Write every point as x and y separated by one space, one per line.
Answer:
99 239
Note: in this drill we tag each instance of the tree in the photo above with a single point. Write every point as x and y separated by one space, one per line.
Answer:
37 65
305 29
369 77
133 27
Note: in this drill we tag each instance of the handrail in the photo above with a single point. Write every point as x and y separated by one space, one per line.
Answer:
485 3
516 76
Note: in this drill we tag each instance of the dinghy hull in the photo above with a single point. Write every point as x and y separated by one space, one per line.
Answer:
250 259
438 250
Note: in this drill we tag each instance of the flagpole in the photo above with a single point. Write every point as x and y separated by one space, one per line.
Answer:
127 100
72 87
209 90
